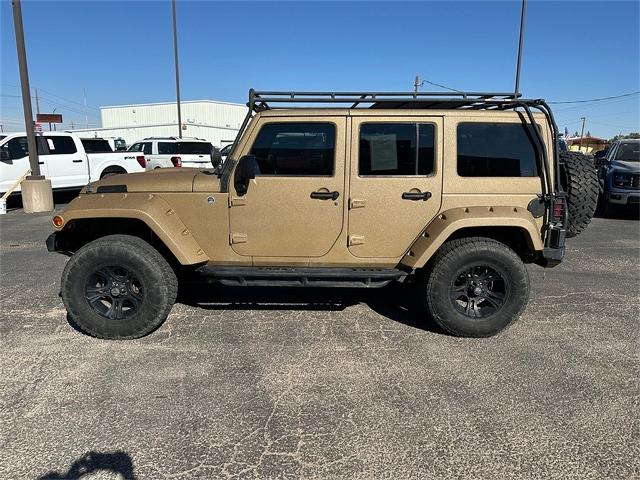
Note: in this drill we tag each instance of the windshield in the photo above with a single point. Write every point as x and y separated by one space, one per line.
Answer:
629 152
194 148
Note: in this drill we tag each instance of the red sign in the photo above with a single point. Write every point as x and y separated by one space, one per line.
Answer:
37 127
49 117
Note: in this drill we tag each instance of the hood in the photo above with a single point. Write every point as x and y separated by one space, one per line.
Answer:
160 180
626 167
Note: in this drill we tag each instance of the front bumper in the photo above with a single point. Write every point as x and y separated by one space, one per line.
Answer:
623 197
51 242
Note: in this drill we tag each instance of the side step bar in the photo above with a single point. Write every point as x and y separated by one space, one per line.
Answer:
302 276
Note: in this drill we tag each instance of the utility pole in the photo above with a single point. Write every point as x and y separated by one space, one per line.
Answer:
175 54
523 11
582 132
37 102
26 91
86 117
416 84
37 195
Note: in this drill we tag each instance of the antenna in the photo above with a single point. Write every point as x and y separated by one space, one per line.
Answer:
523 11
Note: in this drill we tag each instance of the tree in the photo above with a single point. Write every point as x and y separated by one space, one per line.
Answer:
628 135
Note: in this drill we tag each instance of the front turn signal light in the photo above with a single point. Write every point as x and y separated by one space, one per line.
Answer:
58 221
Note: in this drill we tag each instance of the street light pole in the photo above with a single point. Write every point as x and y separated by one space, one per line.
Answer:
26 91
35 190
175 54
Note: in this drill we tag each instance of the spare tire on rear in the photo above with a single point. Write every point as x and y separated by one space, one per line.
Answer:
579 179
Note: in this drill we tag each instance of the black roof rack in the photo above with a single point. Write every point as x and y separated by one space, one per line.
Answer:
265 100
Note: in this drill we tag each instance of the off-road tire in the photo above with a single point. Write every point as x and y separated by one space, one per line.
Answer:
159 286
456 256
579 179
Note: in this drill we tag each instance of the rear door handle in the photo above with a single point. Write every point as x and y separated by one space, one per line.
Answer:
325 195
416 196
77 161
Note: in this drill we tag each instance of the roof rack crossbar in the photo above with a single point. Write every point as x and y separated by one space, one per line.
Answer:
263 100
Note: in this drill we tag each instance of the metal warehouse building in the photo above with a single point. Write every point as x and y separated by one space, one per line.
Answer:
217 122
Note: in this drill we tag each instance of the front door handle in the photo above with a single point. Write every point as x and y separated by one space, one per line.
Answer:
77 161
416 196
321 195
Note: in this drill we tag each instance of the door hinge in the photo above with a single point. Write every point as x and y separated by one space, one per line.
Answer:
238 238
356 203
356 240
237 201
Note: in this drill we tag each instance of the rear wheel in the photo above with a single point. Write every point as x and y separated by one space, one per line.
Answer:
476 287
118 287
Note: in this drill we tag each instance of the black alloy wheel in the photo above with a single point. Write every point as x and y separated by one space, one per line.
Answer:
114 292
478 291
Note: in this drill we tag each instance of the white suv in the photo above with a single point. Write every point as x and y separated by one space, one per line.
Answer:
167 152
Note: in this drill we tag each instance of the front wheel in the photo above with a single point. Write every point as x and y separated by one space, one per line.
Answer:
476 287
118 287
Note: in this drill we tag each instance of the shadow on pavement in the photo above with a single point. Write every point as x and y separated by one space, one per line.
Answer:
395 302
14 202
91 462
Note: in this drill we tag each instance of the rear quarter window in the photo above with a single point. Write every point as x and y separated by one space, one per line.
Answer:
194 148
96 146
496 150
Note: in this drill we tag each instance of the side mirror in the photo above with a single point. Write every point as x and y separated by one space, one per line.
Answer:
246 170
216 158
4 155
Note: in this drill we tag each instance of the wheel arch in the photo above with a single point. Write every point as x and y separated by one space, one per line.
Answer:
117 169
146 216
513 226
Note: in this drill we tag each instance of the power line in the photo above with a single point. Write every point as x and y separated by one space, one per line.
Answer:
57 96
597 99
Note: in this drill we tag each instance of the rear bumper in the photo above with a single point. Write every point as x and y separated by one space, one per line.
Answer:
553 250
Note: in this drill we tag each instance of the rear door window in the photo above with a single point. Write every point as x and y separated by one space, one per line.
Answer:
497 150
396 149
60 145
167 148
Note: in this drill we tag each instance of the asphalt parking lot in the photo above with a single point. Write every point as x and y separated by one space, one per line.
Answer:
325 384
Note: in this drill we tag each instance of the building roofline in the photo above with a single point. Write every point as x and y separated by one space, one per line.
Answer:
173 103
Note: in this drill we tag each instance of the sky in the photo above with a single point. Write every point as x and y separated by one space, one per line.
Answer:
122 53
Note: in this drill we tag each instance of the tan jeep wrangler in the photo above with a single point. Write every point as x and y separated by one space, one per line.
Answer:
456 193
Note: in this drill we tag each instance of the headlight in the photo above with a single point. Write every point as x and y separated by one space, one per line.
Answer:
621 179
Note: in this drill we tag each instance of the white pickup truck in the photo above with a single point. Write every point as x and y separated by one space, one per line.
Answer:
63 160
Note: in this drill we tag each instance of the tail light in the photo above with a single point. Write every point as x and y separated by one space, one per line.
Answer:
142 161
558 210
177 161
